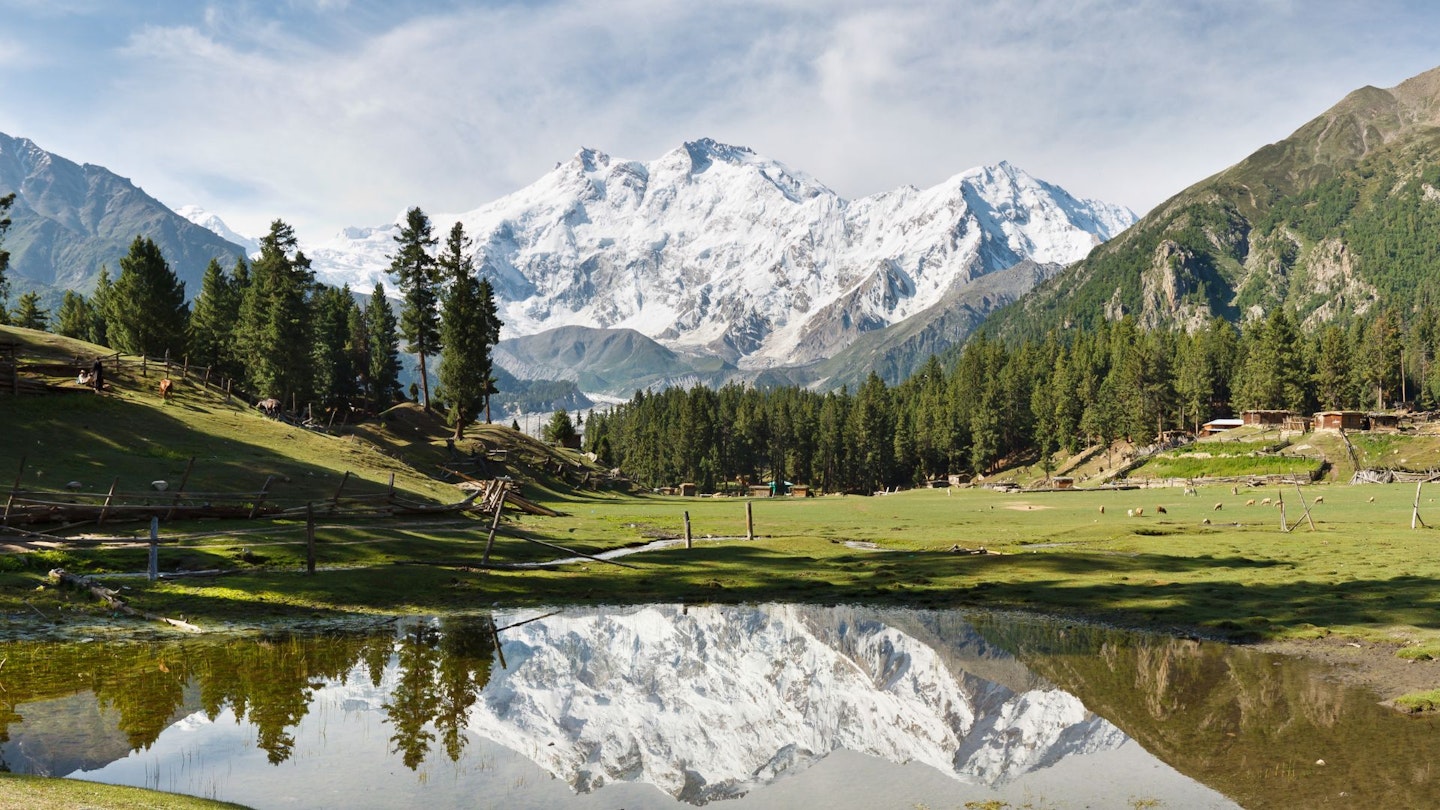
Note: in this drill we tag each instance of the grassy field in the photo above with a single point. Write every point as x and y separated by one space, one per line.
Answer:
1216 563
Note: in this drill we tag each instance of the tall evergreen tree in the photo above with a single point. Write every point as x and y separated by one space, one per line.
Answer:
335 373
213 318
146 310
383 372
74 318
274 329
465 365
100 308
416 274
28 314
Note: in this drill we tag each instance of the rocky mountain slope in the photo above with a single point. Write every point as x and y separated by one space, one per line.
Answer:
69 220
712 249
1336 219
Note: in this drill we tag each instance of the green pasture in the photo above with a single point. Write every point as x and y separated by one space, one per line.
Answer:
1361 571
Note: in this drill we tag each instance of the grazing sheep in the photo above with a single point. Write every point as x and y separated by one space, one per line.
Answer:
1234 490
160 486
1160 510
1102 508
1265 502
1250 502
1139 512
1191 491
1320 499
1219 506
1129 513
1372 499
1205 522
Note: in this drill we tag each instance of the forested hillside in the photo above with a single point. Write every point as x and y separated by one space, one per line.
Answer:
1030 402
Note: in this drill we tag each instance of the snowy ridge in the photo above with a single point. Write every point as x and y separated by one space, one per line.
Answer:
713 248
213 223
708 703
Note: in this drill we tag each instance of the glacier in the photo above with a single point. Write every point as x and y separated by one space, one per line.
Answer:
714 249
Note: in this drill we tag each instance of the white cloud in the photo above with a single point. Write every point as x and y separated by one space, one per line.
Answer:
331 113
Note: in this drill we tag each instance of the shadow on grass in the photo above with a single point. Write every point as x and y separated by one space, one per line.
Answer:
95 440
1232 597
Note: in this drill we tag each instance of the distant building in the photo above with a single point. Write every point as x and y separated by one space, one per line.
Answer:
1220 426
1265 418
1340 420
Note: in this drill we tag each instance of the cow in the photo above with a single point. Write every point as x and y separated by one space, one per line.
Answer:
269 407
166 386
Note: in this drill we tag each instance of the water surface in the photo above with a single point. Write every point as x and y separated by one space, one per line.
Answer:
740 707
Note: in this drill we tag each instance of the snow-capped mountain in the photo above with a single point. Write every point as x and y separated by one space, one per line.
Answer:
714 249
710 703
213 223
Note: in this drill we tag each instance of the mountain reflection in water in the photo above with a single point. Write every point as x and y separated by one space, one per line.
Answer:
755 706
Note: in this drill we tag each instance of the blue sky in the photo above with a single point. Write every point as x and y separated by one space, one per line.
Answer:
329 113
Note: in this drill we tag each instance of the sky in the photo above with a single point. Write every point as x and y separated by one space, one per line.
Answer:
336 113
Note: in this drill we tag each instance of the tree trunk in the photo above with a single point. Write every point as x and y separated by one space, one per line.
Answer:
424 384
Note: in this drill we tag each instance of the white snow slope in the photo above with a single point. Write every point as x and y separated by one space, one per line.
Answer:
715 249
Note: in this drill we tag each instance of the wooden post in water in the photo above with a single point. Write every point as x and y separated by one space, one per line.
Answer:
749 520
688 542
494 526
310 539
154 548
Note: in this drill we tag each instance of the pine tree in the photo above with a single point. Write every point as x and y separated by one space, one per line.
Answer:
416 275
560 430
335 374
274 329
383 372
213 318
100 309
74 318
146 311
465 365
28 314
490 325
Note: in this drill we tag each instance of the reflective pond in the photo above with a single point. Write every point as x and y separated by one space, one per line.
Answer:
743 707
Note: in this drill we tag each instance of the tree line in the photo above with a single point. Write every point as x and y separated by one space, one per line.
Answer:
1032 401
270 325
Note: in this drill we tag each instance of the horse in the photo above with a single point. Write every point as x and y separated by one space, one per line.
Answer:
269 407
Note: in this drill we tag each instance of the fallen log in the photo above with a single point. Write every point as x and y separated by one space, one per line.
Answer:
112 599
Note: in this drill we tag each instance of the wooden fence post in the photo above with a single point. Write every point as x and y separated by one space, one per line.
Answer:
335 501
179 491
105 510
310 539
749 520
154 548
255 510
494 525
688 542
14 490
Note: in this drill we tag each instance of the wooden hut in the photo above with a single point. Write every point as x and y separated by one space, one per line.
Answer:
1339 420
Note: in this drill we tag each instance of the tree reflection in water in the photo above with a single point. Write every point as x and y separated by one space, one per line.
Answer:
268 681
